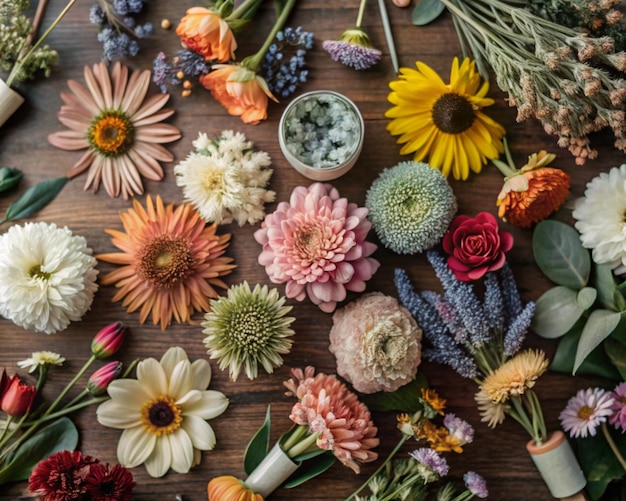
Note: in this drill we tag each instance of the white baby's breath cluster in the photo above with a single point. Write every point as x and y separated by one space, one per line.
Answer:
226 179
322 131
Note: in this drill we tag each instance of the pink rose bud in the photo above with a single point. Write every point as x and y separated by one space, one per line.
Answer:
18 397
100 379
108 340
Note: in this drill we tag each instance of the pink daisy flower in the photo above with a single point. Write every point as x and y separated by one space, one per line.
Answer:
585 411
327 406
618 419
315 244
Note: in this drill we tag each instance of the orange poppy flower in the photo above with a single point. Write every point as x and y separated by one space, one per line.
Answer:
204 31
240 90
229 488
534 192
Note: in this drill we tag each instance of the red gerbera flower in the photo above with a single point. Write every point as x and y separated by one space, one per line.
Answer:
109 484
61 477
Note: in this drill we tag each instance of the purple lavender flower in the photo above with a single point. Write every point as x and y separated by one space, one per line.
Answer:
476 484
354 49
585 411
494 305
432 460
516 332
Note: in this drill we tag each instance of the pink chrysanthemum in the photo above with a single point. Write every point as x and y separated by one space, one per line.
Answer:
315 243
330 409
618 419
585 411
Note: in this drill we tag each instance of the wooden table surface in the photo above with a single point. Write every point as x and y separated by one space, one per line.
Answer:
499 455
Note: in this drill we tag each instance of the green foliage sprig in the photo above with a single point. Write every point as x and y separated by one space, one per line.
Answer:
586 309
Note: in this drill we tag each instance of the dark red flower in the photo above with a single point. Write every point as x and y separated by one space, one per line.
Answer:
475 246
109 484
17 397
61 477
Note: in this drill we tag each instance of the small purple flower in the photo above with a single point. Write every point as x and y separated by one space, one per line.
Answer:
476 484
354 49
585 411
459 428
430 459
618 419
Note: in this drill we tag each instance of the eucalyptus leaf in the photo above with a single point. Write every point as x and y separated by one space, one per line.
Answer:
404 399
600 324
35 198
9 178
597 362
560 255
604 282
426 11
616 351
310 469
586 297
59 436
258 446
556 311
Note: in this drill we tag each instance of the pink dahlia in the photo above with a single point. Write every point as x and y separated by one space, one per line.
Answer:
329 408
316 245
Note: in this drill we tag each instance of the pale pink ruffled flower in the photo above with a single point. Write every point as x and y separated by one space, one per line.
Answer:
328 407
315 244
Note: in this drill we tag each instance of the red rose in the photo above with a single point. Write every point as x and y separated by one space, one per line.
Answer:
476 246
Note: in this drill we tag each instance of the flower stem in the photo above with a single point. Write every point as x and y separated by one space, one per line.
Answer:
380 468
613 446
22 60
359 17
404 485
305 445
242 10
78 375
294 437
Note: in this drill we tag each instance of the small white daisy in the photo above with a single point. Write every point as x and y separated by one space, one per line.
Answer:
225 179
39 359
600 218
47 276
585 411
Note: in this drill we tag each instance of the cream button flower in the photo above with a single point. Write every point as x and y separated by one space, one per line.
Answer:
164 413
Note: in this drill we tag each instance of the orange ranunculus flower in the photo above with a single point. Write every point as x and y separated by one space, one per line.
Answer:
205 32
240 90
229 488
534 192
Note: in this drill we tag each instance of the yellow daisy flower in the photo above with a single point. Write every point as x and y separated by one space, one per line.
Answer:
444 122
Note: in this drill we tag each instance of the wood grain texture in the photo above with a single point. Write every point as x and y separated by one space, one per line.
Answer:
499 455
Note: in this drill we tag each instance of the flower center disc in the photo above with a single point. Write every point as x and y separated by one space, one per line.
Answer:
37 272
453 113
111 133
585 412
251 327
161 416
165 260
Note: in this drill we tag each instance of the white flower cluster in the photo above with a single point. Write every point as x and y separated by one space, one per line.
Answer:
225 179
322 131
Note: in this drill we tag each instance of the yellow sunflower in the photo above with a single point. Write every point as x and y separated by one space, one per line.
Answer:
444 122
169 264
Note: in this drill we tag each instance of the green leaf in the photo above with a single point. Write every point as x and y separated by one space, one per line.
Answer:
560 255
35 198
9 178
426 11
310 469
616 351
597 362
258 446
599 326
586 297
604 281
59 436
556 311
404 399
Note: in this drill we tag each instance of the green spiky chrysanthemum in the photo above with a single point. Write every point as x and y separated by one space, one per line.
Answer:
410 206
248 328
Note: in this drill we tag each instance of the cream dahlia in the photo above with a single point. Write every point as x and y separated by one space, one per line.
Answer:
119 126
47 276
343 424
163 413
600 218
315 244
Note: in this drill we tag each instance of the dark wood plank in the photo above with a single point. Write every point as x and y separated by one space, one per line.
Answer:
498 454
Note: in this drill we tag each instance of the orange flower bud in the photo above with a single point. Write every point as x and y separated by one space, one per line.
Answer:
18 397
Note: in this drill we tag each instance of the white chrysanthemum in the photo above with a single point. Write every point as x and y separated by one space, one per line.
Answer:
225 179
600 218
163 413
40 359
47 276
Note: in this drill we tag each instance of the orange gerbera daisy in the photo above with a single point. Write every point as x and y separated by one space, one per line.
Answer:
240 90
169 262
529 195
229 488
206 32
